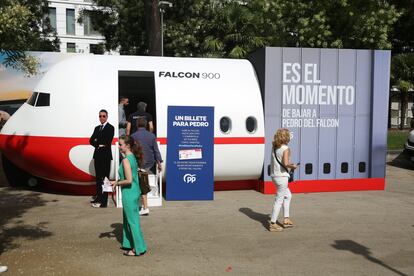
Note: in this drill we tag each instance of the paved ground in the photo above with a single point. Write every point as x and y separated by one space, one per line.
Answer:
348 233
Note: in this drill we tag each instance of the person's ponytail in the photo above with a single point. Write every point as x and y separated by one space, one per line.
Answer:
135 148
137 151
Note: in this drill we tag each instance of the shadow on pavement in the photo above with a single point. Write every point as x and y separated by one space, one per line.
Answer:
115 233
403 161
262 218
359 249
13 205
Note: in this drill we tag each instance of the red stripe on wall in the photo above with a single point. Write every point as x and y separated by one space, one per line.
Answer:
239 140
163 141
335 185
236 185
227 140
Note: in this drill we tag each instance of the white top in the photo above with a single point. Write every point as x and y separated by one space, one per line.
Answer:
276 169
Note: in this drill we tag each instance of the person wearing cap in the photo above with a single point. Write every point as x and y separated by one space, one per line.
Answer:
133 118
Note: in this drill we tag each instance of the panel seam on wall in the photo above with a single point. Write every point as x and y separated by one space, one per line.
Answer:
337 117
355 116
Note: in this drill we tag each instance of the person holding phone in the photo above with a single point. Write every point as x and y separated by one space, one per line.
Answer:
279 165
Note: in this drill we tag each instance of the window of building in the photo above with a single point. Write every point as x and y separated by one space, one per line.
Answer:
70 21
251 124
52 17
225 125
87 25
344 167
96 49
70 47
308 168
326 168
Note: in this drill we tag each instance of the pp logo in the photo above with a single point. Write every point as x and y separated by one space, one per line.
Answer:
189 178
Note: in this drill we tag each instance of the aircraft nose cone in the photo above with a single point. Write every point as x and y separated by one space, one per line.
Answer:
45 157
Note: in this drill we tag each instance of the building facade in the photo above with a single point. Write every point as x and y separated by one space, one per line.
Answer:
74 37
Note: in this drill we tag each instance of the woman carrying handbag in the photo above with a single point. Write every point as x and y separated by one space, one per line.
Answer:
132 239
280 166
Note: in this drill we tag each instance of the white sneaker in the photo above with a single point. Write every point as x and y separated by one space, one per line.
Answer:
3 268
144 212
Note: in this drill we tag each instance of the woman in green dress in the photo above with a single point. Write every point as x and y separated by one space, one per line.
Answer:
132 239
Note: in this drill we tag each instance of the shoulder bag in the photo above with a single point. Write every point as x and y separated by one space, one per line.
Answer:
143 182
291 179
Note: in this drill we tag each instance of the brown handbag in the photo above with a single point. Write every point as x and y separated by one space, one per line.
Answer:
143 182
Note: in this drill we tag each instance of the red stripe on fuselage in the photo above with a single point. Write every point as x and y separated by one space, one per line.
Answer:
46 157
228 140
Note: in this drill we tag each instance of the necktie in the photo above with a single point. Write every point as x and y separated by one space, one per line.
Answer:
100 129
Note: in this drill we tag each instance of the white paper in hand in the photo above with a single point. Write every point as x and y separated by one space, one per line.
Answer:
106 187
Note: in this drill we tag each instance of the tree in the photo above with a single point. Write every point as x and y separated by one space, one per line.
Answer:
335 24
24 27
402 36
232 29
402 76
237 29
132 27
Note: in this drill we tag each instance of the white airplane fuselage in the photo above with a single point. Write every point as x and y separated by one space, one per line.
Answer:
50 140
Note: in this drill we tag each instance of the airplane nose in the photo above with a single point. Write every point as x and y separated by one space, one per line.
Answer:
45 157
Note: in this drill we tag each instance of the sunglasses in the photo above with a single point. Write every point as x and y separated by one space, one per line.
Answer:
102 116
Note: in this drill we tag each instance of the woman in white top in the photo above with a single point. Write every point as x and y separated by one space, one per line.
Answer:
280 177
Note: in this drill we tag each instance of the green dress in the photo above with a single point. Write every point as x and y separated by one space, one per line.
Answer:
132 234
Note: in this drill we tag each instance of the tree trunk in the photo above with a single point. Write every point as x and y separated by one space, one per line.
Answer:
404 101
153 26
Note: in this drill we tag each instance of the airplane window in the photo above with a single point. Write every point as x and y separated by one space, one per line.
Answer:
43 99
308 168
251 124
32 99
344 167
326 168
225 124
361 167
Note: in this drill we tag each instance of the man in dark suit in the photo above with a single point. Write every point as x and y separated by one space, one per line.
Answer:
101 139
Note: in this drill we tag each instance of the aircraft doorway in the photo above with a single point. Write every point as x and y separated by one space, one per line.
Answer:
138 86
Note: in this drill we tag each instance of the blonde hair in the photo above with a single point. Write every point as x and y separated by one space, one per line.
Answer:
282 136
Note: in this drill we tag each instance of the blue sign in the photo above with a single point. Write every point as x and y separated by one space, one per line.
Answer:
190 153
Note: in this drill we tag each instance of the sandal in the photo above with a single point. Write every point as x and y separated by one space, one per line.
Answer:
287 223
275 227
131 253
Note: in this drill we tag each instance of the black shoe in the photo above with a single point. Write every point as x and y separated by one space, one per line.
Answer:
94 199
103 206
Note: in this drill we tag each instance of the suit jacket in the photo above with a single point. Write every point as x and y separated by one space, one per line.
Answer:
103 137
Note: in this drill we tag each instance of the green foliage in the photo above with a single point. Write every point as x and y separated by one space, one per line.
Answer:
122 23
214 28
402 35
396 139
22 28
402 69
